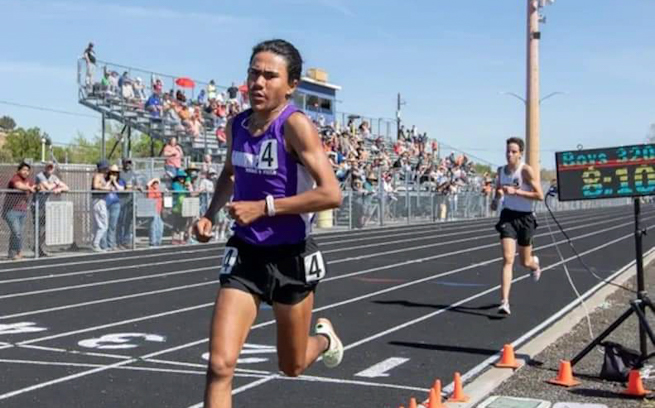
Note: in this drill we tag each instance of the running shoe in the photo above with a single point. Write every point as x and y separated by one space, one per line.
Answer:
504 308
334 354
536 274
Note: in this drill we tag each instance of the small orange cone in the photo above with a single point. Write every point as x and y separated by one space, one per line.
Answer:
635 385
412 403
458 392
565 375
507 360
435 396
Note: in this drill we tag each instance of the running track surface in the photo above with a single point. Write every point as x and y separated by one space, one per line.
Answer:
411 304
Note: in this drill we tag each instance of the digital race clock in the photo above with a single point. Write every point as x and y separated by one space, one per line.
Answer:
624 171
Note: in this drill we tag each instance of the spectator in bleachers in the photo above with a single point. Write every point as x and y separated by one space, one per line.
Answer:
139 90
89 56
113 83
201 99
47 183
207 163
100 216
232 93
173 154
180 97
211 91
154 106
15 208
156 230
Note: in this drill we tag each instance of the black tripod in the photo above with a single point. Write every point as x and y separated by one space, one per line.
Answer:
637 306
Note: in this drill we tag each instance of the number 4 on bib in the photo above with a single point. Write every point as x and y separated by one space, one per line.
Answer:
268 155
314 267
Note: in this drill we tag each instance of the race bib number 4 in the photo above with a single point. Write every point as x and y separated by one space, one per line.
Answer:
268 155
314 267
229 260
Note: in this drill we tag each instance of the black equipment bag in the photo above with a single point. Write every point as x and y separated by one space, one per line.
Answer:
618 362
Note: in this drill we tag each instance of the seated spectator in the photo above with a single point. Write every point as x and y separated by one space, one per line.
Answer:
201 97
15 208
180 97
139 90
154 106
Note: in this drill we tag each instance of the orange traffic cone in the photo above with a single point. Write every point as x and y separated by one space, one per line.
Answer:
565 375
507 360
435 396
635 385
412 403
458 392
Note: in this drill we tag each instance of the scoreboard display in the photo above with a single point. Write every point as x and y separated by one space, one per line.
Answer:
626 171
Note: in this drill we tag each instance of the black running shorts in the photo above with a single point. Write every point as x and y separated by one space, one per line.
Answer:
517 225
284 274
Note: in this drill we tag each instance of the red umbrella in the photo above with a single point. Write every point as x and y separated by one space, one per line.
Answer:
185 82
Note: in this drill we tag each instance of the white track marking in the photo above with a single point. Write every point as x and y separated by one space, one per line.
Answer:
263 324
113 299
382 368
356 258
269 378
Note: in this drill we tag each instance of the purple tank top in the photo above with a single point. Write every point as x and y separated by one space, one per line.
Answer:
262 166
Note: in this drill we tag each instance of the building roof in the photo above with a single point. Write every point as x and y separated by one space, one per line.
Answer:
319 83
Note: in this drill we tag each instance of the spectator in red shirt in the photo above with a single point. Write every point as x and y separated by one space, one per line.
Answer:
15 208
173 154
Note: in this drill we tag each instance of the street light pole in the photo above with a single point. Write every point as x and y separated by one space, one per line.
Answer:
532 88
399 103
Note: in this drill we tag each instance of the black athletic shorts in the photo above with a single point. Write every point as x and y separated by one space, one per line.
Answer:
282 273
517 225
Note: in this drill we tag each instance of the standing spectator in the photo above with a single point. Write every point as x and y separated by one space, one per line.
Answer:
139 90
89 56
47 184
173 154
180 191
156 225
211 90
100 217
129 182
113 206
207 163
232 93
206 189
15 208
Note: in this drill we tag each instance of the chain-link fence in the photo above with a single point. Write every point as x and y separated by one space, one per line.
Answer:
43 224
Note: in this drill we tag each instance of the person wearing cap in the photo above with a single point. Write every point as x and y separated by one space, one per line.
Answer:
48 183
180 191
113 206
156 230
100 216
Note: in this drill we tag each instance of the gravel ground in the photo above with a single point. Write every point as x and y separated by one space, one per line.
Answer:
529 382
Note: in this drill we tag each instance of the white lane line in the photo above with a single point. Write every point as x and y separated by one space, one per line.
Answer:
436 227
343 276
83 353
269 378
126 368
144 277
555 317
108 300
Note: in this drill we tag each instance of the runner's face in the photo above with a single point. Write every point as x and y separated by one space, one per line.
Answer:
513 154
268 82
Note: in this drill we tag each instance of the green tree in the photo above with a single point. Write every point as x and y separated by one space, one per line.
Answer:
25 143
7 123
141 146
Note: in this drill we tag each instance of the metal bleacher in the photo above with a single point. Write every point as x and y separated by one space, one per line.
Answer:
132 115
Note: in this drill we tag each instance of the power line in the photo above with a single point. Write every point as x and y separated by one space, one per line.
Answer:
45 109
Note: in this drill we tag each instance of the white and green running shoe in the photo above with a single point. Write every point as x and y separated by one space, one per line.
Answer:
334 354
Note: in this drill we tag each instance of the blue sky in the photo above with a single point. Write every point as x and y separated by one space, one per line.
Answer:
451 60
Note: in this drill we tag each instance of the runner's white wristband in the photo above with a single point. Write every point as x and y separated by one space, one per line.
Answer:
270 206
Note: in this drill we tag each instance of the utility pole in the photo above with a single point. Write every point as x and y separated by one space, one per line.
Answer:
532 88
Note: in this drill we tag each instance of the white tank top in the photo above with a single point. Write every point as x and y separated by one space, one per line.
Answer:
514 202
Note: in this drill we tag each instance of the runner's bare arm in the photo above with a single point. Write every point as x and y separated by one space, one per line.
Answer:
528 175
303 139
